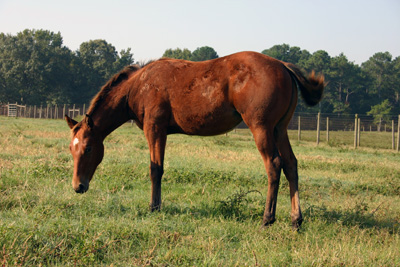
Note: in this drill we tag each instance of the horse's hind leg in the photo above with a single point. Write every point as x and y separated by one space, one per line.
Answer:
290 170
265 142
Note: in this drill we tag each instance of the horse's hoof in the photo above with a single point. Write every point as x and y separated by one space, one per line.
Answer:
155 207
297 223
268 221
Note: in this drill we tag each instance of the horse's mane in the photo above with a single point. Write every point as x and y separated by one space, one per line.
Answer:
115 80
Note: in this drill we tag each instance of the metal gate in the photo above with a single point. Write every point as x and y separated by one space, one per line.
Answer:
12 110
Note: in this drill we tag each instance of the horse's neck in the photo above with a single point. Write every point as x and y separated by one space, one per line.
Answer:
110 115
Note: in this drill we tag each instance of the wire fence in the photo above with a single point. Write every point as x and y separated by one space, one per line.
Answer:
344 122
322 123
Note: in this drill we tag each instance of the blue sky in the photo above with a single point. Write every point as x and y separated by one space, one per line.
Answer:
357 28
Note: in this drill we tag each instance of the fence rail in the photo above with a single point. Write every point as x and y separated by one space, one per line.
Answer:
301 121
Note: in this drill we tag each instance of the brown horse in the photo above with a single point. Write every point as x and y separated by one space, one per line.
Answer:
200 98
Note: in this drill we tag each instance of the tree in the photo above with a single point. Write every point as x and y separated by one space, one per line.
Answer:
99 61
200 54
287 53
35 67
346 81
381 112
395 84
203 53
319 61
8 67
379 68
178 53
99 56
125 59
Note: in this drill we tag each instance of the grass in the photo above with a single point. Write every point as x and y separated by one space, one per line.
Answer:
214 191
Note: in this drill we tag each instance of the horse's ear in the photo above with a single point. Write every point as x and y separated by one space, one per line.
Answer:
71 123
89 121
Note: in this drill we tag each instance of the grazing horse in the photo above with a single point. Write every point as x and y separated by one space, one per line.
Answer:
206 98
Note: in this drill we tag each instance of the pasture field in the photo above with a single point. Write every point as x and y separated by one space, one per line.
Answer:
214 190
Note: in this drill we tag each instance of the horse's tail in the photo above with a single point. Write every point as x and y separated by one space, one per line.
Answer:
311 88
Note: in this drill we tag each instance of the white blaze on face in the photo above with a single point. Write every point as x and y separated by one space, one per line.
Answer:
76 141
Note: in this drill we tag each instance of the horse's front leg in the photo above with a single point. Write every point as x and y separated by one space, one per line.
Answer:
156 172
156 138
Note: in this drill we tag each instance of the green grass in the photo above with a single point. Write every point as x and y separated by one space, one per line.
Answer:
214 191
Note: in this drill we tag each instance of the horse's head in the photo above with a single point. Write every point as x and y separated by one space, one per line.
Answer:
87 150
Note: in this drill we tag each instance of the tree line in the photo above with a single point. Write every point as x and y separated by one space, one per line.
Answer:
372 87
37 68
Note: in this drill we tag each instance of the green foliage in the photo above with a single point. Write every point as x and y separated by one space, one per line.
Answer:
35 67
99 61
351 88
287 53
178 53
236 205
345 84
203 53
384 77
381 112
200 54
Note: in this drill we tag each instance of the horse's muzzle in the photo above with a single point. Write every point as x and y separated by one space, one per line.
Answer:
81 189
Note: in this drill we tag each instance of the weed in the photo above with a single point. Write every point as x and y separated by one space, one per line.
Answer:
234 205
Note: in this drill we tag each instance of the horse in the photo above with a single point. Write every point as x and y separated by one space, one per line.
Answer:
169 96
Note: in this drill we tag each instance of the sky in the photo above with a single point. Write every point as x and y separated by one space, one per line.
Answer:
359 29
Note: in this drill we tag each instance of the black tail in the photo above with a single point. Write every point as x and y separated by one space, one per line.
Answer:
311 88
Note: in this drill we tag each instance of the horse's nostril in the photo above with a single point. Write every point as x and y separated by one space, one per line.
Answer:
81 189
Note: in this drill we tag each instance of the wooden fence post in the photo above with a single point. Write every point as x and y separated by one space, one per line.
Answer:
318 128
358 132
398 134
299 129
355 131
380 125
392 134
327 129
64 111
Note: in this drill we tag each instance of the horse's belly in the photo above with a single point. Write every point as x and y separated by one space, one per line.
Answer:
206 123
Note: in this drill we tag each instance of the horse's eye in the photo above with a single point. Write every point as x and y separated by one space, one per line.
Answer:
88 149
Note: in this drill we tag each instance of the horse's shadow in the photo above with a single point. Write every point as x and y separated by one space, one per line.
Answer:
215 210
359 216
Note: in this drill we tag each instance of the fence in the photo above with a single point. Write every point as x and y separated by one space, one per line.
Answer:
343 122
301 121
42 112
349 123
